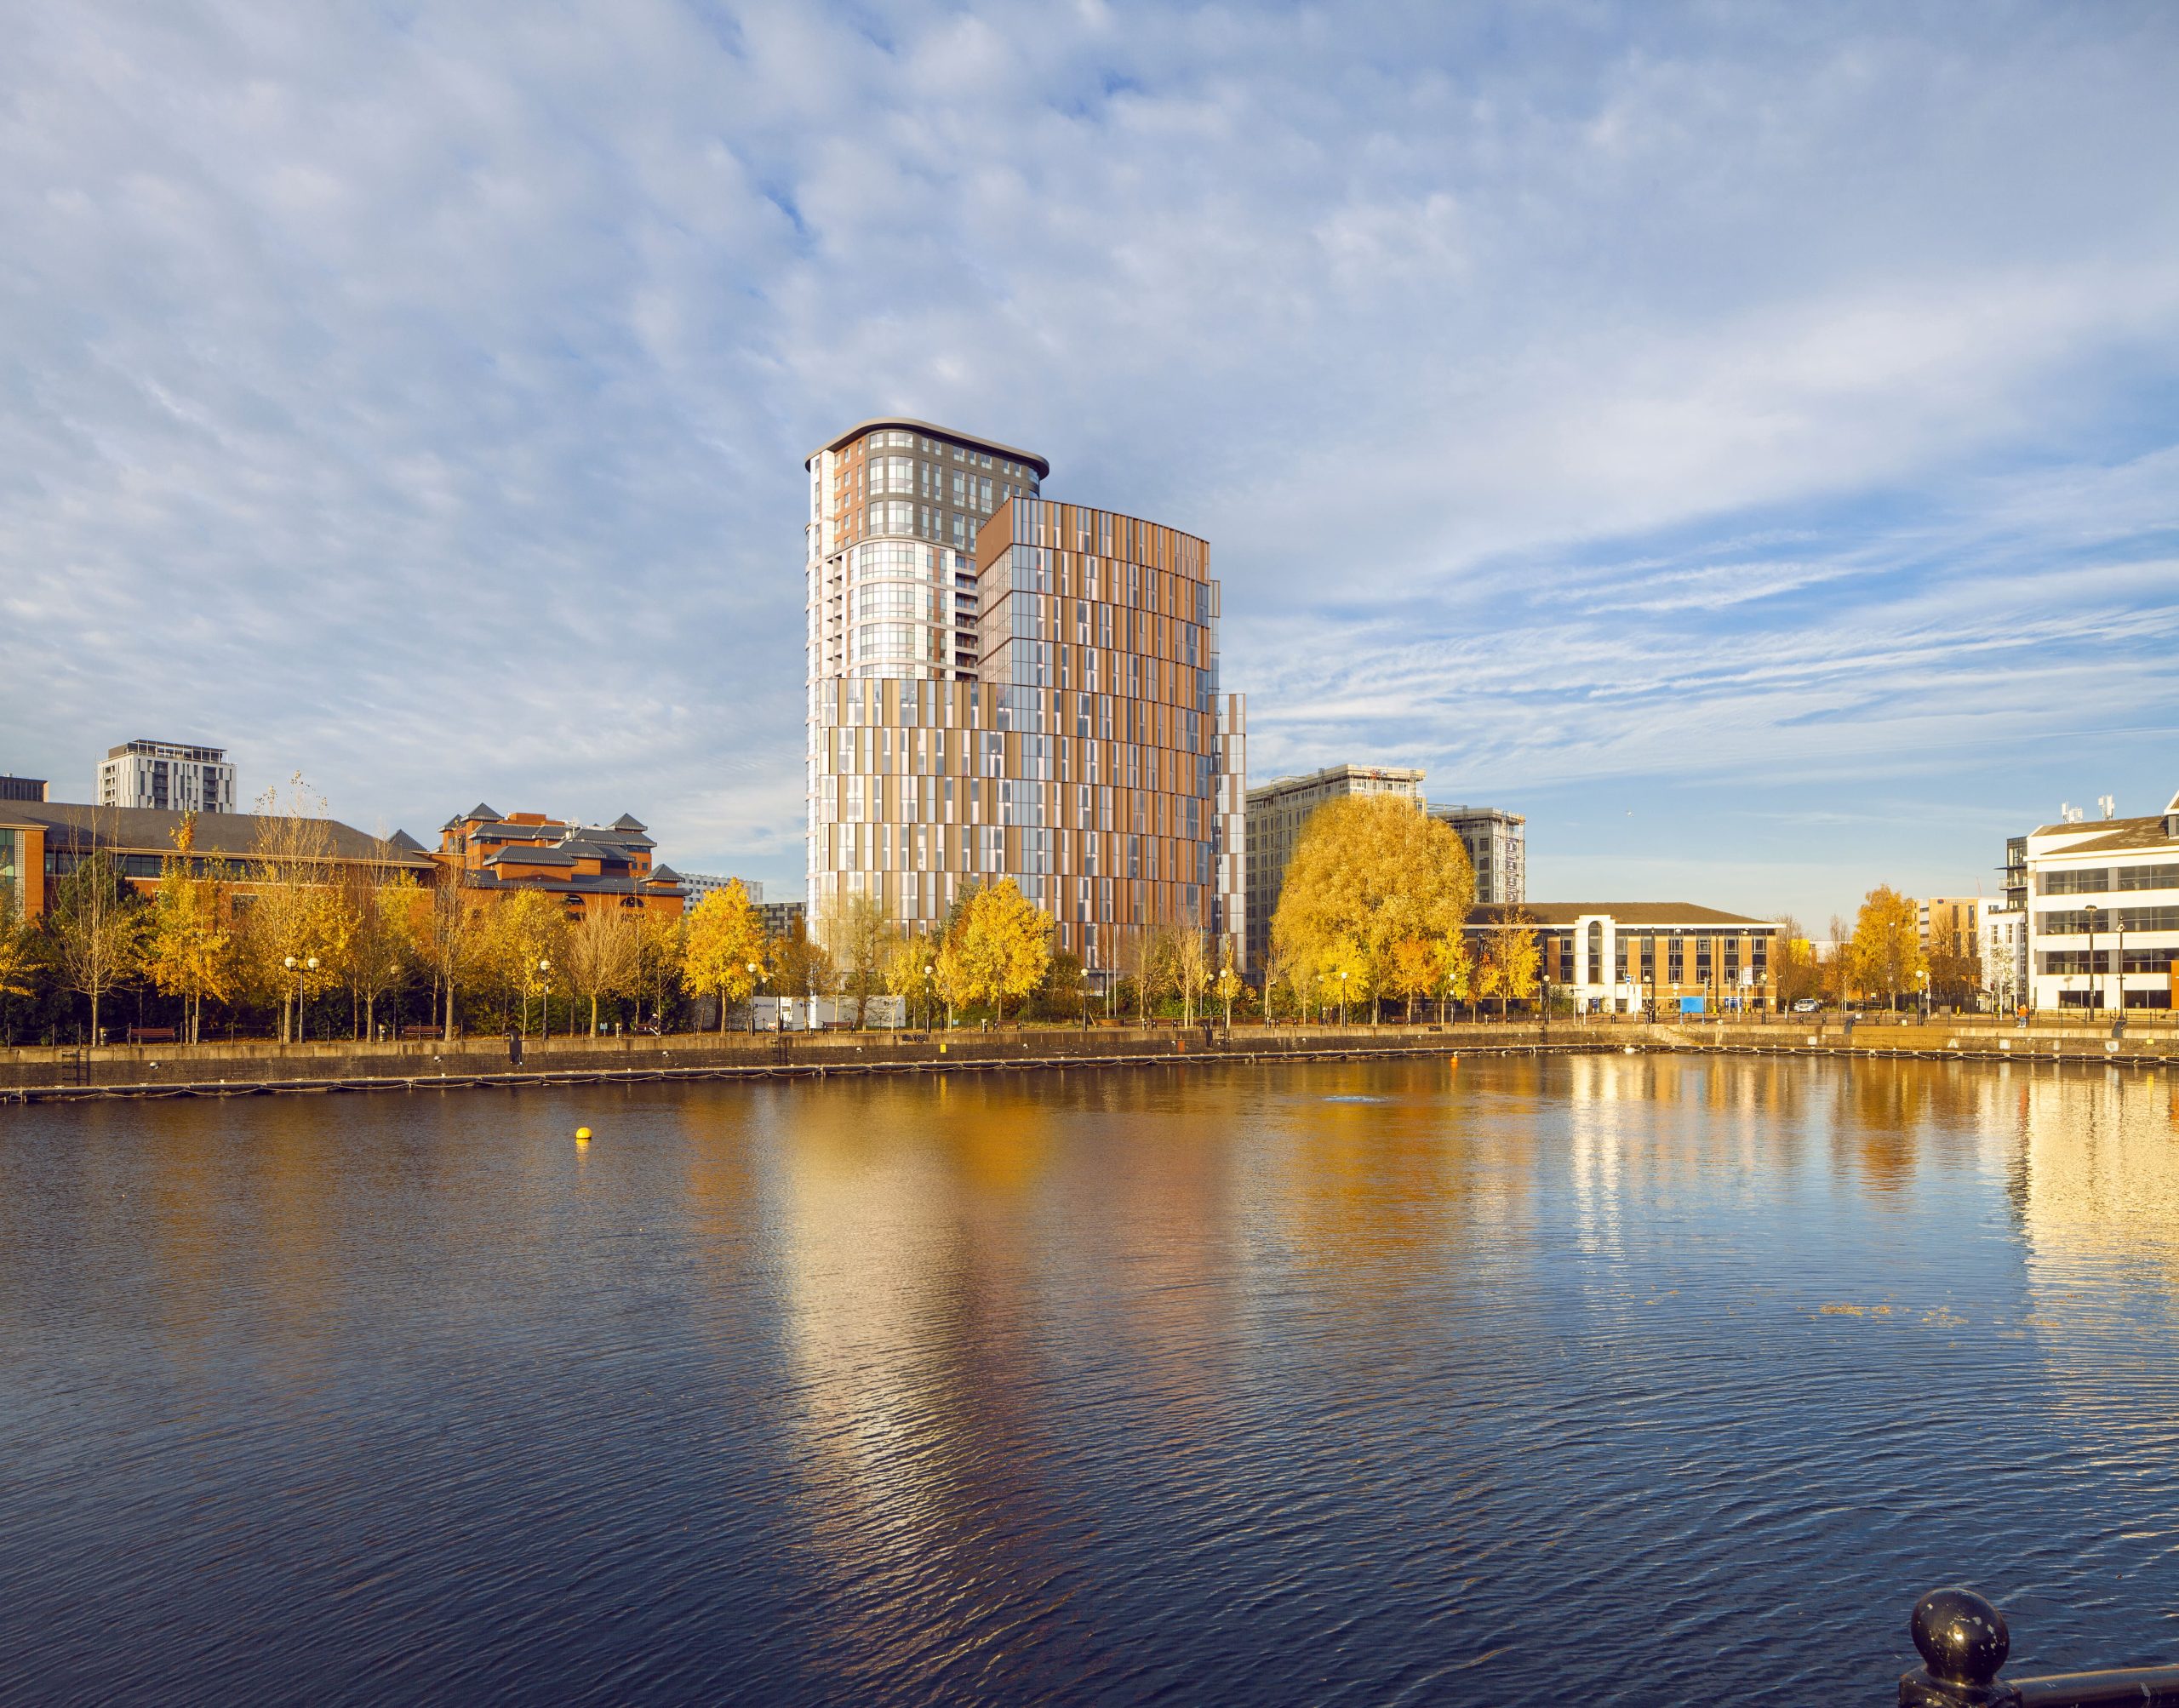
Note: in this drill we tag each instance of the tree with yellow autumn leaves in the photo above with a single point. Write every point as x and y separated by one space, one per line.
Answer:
722 940
996 946
1377 891
1886 949
187 944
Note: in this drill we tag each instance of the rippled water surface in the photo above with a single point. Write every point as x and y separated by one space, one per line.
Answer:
1604 1380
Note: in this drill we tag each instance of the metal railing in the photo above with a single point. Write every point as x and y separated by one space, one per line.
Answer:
1963 1642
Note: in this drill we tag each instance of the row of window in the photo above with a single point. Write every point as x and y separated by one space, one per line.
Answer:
855 798
1124 582
2080 921
870 643
899 599
865 848
900 439
1096 916
2100 880
2101 960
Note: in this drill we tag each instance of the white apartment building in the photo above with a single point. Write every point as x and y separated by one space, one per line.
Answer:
2103 917
167 776
2001 933
699 884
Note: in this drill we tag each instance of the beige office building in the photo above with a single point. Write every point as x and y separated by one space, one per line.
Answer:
1001 685
1276 812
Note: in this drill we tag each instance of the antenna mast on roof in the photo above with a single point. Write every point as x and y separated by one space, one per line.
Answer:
2110 805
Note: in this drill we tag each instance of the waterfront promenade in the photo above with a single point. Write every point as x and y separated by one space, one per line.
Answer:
58 1072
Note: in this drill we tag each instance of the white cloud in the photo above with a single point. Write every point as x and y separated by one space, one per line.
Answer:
1568 393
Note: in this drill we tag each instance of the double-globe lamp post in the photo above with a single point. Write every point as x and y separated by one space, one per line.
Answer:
755 979
300 969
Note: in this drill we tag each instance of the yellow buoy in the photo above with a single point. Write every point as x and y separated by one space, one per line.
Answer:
582 1135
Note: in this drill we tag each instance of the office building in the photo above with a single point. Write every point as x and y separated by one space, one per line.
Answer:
583 866
1951 924
1004 686
167 776
2103 920
41 843
699 884
780 919
14 788
1278 810
1624 956
1497 848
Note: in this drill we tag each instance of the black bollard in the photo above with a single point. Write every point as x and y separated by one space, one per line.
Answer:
1962 1642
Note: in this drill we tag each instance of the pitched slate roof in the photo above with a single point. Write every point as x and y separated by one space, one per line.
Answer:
2119 836
150 830
530 856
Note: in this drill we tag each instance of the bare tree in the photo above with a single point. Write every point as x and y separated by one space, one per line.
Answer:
1191 964
452 930
95 927
294 916
380 906
604 955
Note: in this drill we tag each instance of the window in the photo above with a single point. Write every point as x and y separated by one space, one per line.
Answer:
2148 877
2094 881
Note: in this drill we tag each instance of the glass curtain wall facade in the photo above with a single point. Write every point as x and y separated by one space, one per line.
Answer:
1062 725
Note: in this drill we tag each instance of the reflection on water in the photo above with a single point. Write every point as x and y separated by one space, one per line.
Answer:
1333 1382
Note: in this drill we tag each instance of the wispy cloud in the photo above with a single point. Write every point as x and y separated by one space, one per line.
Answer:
1578 399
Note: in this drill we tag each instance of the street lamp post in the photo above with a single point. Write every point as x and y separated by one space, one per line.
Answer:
2095 973
1342 999
930 1014
755 979
308 964
545 1007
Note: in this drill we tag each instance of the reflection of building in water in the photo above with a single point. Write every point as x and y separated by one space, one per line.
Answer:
2098 1182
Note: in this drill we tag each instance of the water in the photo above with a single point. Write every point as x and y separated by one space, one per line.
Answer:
1604 1380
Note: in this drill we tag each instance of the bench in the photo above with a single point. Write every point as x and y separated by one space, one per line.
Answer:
151 1034
420 1034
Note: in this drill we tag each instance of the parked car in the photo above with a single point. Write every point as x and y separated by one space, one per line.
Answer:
1807 1005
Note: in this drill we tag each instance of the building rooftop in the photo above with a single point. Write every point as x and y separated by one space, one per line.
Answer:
2110 836
1622 913
1405 773
195 750
151 829
932 430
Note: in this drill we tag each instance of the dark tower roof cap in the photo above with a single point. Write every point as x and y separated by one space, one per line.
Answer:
931 429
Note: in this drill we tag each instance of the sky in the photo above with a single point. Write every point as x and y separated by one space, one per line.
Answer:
1742 438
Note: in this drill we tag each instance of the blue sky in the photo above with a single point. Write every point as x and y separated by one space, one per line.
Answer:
1745 439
